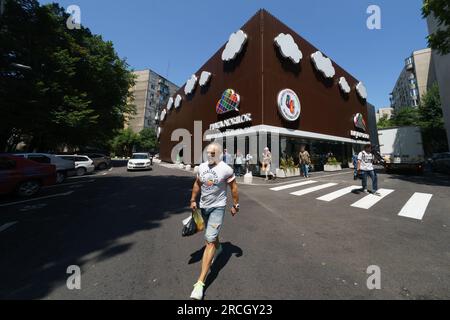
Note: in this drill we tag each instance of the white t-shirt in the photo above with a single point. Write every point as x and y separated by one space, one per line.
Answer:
214 180
366 161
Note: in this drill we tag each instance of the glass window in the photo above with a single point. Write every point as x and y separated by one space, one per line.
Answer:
39 158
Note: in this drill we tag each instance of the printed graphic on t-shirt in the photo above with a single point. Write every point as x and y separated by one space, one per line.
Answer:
209 178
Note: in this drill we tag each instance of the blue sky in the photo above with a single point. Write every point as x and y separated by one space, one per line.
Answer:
151 34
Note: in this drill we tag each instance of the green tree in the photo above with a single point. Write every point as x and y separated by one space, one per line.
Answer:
384 122
77 91
431 122
124 143
147 140
406 117
439 40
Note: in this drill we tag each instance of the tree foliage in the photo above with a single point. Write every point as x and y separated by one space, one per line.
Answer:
440 39
428 116
77 91
127 141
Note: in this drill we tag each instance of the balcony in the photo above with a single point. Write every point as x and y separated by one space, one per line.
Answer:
409 64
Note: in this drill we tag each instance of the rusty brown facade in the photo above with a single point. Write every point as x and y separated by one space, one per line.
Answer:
258 74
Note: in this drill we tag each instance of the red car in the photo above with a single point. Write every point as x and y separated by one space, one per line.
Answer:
24 177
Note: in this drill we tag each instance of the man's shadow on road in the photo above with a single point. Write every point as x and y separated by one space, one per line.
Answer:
221 261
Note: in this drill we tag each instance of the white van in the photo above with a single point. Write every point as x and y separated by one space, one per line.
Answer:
64 168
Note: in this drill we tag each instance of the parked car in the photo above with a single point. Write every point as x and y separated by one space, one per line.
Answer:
64 168
140 161
83 164
441 162
101 161
24 177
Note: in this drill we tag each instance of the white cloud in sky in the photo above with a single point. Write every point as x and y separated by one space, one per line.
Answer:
204 78
190 84
288 47
234 46
323 64
344 85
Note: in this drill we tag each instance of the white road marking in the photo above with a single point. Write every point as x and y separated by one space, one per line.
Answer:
35 199
33 207
337 194
110 169
7 225
68 184
416 206
371 200
293 185
313 189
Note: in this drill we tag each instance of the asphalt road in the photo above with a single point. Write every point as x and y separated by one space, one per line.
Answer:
124 231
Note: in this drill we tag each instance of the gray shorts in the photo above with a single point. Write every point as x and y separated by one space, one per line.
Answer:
213 218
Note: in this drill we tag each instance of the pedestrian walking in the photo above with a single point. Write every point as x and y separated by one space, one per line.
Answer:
238 163
211 183
266 163
248 159
227 158
365 168
305 161
355 166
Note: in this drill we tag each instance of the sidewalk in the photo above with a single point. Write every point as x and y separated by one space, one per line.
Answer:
260 180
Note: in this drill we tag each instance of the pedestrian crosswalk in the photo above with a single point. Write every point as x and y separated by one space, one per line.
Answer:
414 208
313 189
369 201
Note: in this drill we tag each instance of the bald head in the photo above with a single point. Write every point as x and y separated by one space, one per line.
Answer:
214 153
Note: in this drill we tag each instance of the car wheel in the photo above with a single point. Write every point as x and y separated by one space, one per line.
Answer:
102 166
81 172
60 177
28 188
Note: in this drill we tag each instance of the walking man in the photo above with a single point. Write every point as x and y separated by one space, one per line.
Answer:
305 161
212 180
238 163
365 167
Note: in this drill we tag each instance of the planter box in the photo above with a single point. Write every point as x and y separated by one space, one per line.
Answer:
332 168
289 173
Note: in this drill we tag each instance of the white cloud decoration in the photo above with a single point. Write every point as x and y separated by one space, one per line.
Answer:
362 91
163 115
343 84
288 47
234 46
190 84
158 133
323 64
170 103
178 101
204 78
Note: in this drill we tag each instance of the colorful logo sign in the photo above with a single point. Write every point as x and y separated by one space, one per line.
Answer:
229 102
289 105
359 122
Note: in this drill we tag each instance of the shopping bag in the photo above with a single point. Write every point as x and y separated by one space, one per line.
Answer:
190 228
198 218
193 224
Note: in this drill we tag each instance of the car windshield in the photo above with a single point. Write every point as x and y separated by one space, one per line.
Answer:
139 156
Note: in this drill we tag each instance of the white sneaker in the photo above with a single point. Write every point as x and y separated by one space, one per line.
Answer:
365 191
217 253
197 293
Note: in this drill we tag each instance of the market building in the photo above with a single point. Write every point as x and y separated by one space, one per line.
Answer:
267 86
